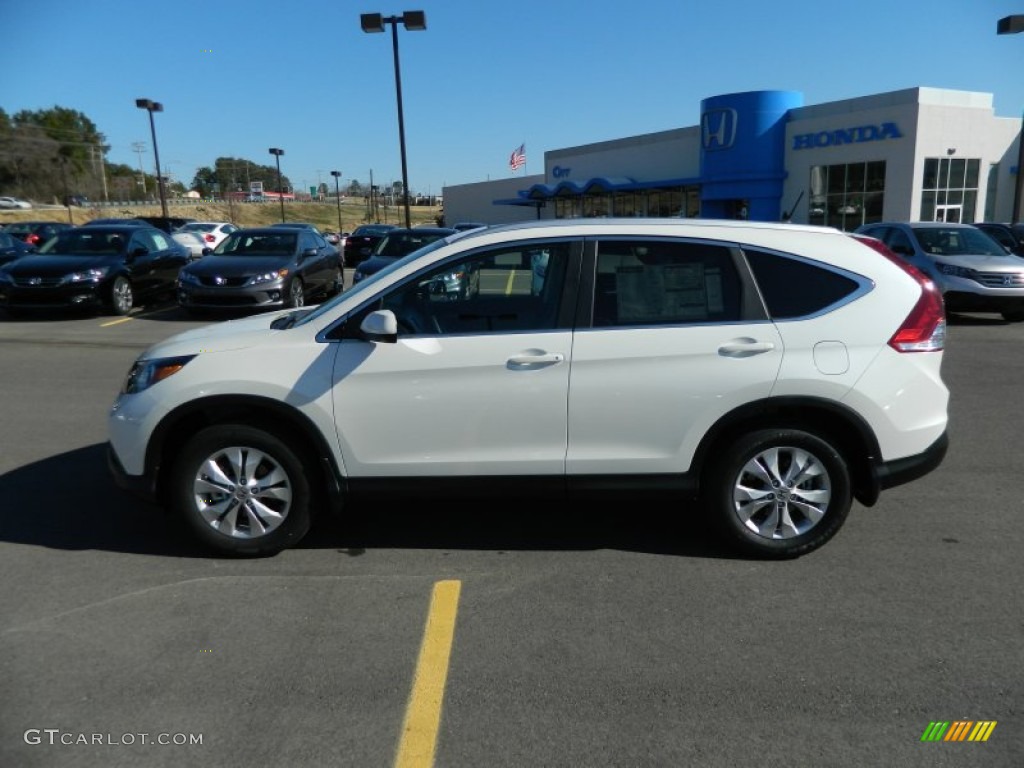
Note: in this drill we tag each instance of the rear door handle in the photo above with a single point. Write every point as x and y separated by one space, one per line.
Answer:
745 347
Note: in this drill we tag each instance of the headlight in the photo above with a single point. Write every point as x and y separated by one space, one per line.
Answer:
86 275
146 373
188 277
267 277
955 271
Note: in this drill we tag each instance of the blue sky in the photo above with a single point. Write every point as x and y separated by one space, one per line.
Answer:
237 78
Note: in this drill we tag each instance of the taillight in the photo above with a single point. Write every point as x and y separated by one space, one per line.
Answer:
208 238
924 329
32 238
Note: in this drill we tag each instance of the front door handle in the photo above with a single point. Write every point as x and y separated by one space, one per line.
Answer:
532 359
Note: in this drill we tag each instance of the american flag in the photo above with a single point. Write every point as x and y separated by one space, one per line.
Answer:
518 158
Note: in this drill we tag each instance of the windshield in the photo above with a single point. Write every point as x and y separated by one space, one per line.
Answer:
257 243
371 230
84 242
362 287
957 241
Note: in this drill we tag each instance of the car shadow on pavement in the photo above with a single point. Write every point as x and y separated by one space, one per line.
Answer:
70 501
533 525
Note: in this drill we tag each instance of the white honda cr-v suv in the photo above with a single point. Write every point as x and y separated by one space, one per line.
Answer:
769 373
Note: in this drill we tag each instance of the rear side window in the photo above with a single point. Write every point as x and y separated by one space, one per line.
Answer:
796 288
664 283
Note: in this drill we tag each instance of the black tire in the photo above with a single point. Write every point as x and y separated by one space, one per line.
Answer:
296 293
805 508
215 487
122 298
1015 316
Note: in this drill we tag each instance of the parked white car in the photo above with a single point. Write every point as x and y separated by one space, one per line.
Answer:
191 240
768 374
211 232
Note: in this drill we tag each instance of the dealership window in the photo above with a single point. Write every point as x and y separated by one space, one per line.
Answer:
846 196
665 202
949 189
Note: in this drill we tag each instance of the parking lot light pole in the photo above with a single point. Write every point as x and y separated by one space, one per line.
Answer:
414 21
337 196
154 106
280 190
1010 25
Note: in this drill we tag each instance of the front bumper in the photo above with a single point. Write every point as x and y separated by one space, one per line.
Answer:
267 296
84 294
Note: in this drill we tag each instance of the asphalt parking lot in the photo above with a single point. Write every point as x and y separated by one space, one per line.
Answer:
538 637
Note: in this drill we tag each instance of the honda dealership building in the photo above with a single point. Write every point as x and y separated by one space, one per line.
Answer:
915 154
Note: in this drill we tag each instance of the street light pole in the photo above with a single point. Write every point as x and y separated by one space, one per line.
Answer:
280 190
337 196
1009 25
413 21
151 107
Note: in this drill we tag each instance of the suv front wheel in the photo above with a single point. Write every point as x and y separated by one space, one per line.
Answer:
242 490
779 492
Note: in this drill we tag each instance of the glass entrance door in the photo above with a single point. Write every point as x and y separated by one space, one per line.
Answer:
951 213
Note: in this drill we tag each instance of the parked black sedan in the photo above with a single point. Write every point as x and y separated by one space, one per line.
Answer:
262 268
36 233
363 239
12 248
115 267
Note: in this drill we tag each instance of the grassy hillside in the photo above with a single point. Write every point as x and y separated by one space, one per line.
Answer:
323 215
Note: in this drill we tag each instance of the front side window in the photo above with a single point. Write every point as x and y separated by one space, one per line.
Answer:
664 283
501 290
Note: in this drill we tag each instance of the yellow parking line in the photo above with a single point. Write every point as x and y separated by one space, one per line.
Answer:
115 322
423 713
511 277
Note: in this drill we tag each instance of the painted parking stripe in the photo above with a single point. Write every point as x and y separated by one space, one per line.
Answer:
423 713
116 322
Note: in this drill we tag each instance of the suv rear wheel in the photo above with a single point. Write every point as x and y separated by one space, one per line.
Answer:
780 492
242 490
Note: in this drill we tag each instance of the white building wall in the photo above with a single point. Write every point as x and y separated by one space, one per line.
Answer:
651 157
475 202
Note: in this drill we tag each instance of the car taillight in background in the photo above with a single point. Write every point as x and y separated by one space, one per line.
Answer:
208 237
32 238
924 329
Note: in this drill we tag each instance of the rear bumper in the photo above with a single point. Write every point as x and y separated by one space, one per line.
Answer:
909 468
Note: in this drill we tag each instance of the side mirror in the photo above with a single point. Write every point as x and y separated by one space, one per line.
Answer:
381 325
309 253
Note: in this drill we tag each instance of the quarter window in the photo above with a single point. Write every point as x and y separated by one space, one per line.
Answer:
795 288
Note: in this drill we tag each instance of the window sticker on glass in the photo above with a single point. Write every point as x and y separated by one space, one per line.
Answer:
663 293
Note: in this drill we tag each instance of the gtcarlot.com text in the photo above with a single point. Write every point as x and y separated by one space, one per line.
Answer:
55 737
